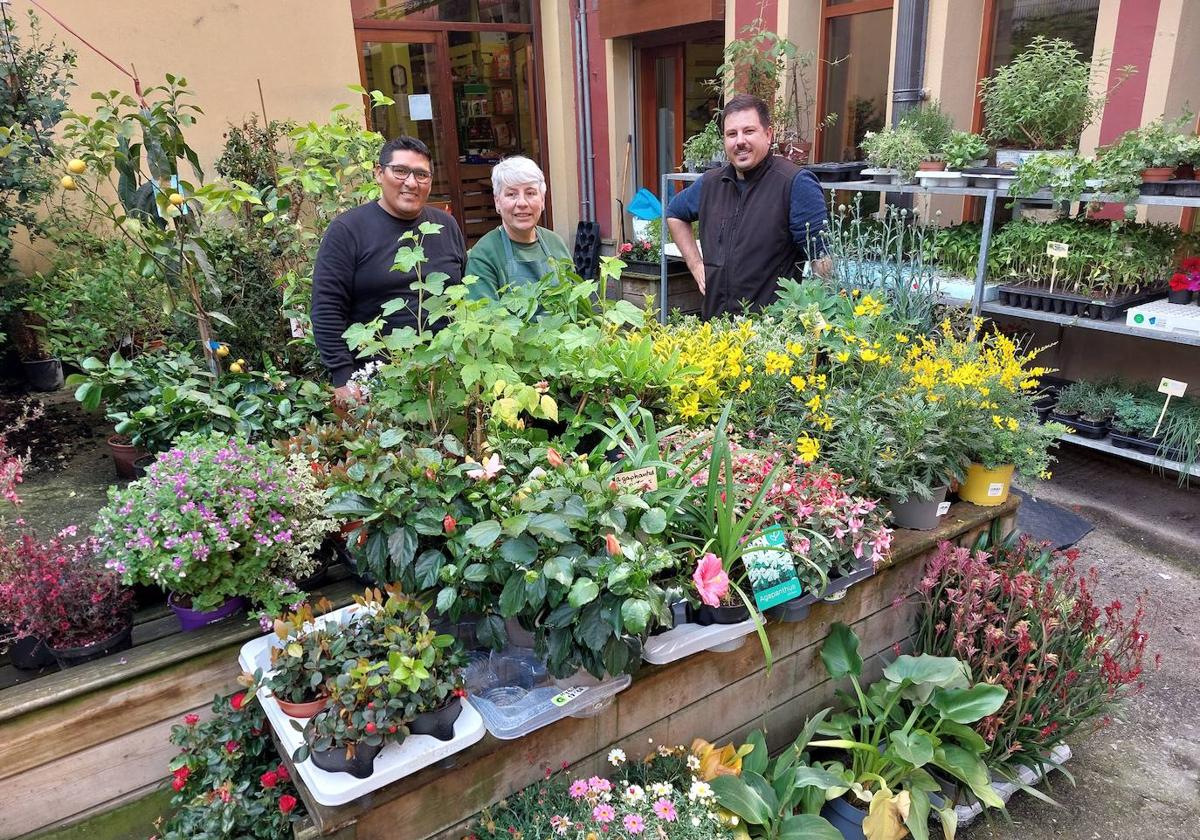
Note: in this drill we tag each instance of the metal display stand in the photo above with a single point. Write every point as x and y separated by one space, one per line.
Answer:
687 177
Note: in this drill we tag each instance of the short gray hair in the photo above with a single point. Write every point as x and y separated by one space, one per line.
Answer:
515 171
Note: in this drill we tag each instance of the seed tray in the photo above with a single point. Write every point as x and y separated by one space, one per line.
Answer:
1081 427
1071 305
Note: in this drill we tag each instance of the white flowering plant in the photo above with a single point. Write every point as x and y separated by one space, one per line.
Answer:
658 796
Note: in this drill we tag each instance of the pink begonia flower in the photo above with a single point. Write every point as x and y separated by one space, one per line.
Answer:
489 469
712 583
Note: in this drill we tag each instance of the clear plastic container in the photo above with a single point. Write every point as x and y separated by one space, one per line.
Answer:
686 639
515 695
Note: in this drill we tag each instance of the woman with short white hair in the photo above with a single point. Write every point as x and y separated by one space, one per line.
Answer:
519 251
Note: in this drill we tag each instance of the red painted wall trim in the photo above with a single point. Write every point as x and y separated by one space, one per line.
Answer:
1133 44
745 11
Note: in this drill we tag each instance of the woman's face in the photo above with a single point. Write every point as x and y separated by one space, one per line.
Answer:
520 208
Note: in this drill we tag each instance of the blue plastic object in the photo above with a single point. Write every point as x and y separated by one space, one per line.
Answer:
645 205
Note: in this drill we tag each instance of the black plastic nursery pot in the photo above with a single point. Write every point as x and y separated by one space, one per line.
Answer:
68 657
1183 296
438 723
1153 188
360 766
915 514
44 374
1064 303
732 614
846 818
1082 427
29 653
1185 187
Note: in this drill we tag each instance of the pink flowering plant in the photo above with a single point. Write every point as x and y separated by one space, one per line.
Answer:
660 796
59 591
639 250
1026 618
830 531
215 518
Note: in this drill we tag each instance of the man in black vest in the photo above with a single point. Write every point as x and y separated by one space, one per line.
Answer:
761 217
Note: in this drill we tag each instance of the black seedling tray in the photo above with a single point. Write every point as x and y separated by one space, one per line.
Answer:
833 172
1153 188
1095 431
1187 188
1065 303
1147 446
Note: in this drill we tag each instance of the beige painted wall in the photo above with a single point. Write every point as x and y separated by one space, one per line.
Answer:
303 51
622 122
562 155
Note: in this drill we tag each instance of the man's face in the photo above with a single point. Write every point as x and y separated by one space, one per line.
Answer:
520 207
747 142
404 195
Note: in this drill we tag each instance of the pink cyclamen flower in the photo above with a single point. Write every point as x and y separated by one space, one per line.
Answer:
604 813
634 824
578 789
712 583
664 809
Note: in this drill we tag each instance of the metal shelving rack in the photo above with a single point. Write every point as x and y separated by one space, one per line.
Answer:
978 306
667 179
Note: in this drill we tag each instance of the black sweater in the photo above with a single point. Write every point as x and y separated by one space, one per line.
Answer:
353 276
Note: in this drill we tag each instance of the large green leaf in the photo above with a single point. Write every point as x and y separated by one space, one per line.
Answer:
402 545
429 564
840 652
490 632
734 794
967 705
914 747
654 521
583 591
968 767
520 551
550 525
819 777
512 597
757 759
922 674
917 820
560 570
483 534
808 827
635 614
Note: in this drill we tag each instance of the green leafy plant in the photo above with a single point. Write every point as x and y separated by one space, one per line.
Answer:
310 653
933 125
899 148
1042 99
704 147
1065 176
915 719
1157 144
962 148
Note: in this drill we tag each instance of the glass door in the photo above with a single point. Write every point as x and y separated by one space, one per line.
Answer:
410 67
856 53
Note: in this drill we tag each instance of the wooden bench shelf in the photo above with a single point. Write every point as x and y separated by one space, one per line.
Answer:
78 743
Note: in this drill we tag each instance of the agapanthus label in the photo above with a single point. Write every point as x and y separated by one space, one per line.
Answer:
644 480
771 569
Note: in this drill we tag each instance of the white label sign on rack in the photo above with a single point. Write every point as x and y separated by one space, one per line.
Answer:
1057 250
1172 387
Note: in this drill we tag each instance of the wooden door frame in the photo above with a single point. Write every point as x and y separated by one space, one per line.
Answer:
647 107
829 13
444 97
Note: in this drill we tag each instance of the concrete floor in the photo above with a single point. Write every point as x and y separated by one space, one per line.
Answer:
1138 778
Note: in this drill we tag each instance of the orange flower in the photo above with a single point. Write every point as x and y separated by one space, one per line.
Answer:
714 761
613 545
553 457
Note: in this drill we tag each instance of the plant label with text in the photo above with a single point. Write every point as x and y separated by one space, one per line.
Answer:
772 569
1057 250
1172 387
644 480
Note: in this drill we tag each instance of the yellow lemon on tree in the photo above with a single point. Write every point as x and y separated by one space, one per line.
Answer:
75 166
67 182
223 351
235 368
175 199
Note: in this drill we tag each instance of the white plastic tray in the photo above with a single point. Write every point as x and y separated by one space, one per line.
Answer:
1164 316
394 762
967 814
686 639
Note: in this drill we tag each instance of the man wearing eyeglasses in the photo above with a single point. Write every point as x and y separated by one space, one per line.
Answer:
353 276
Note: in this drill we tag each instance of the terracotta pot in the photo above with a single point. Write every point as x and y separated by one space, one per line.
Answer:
302 711
1157 174
931 166
123 455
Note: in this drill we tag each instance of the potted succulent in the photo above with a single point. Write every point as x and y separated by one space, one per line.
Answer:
898 731
216 522
1040 101
60 594
898 151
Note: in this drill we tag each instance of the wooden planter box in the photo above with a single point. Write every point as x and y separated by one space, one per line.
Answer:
75 746
641 280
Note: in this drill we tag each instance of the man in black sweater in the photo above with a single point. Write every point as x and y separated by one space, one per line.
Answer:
353 276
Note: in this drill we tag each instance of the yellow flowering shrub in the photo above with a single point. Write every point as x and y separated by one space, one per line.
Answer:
715 354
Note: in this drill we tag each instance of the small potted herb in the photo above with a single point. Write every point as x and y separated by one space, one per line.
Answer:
309 654
897 151
705 150
1087 408
934 126
964 150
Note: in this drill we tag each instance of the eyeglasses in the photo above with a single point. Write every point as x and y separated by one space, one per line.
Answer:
401 173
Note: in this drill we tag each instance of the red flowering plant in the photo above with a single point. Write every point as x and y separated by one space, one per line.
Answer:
227 778
1024 617
639 250
60 592
1187 279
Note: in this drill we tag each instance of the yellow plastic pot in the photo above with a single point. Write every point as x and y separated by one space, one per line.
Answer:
985 487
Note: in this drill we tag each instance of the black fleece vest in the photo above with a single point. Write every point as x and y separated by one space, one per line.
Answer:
747 243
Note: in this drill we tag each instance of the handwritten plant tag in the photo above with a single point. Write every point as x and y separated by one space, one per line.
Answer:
771 569
644 480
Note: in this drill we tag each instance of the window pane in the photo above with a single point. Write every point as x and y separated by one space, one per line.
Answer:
1019 21
859 51
457 11
699 100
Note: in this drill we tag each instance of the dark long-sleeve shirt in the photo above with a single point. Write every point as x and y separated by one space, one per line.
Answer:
353 277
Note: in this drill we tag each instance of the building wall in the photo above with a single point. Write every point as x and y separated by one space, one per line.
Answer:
562 133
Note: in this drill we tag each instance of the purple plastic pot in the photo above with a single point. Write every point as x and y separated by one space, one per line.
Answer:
190 619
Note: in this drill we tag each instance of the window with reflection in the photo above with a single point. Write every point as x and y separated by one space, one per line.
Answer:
1017 22
454 11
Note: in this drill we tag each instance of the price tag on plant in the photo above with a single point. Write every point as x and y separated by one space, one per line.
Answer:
1057 250
771 569
644 480
567 696
1172 387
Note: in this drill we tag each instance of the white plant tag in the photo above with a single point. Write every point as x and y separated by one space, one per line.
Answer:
297 327
943 508
1172 387
1057 250
996 488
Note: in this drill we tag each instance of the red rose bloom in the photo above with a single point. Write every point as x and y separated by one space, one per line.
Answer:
287 803
269 779
1179 282
178 784
231 746
191 720
282 772
180 778
237 700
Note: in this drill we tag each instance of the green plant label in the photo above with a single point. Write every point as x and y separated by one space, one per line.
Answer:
772 569
567 696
